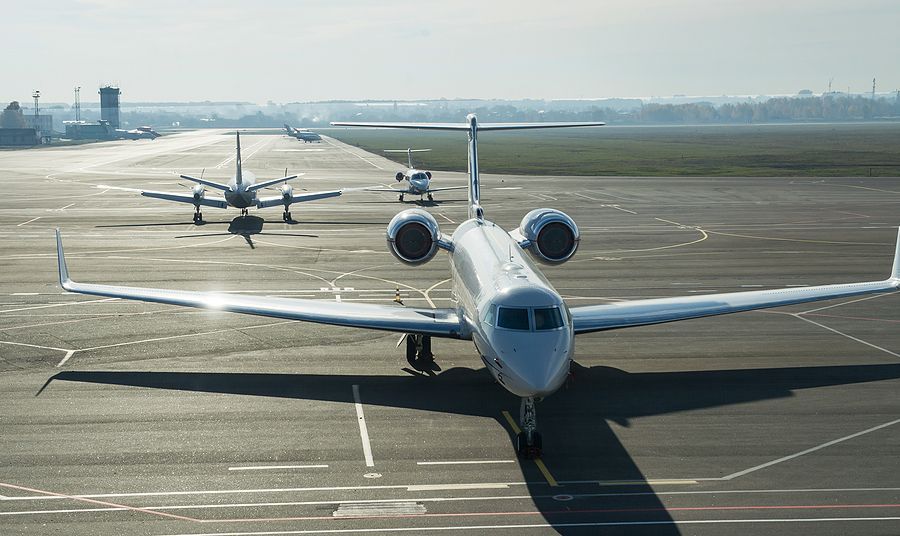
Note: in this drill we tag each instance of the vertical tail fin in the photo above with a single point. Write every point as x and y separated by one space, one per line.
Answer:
475 210
238 178
409 157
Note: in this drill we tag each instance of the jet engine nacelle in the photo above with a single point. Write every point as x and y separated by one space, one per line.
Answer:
198 192
400 176
287 194
413 236
550 235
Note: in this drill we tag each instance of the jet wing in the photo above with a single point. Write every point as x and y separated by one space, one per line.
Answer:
278 200
435 322
182 198
626 314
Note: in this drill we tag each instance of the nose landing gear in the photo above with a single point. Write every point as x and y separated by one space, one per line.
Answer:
198 216
245 212
286 216
529 443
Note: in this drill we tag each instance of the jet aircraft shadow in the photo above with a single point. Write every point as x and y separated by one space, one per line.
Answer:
579 443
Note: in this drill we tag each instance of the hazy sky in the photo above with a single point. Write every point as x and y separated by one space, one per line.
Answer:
296 50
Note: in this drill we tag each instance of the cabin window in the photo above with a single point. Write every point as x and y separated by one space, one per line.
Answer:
489 315
513 318
547 318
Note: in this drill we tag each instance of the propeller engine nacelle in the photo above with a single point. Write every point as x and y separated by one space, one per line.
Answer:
550 235
413 236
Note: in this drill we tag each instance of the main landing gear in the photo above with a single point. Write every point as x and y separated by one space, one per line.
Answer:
418 353
528 441
198 216
430 197
286 216
245 212
401 197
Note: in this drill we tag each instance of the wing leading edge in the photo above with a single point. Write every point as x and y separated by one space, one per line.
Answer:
635 313
435 322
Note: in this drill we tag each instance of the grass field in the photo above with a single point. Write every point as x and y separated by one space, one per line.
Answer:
869 149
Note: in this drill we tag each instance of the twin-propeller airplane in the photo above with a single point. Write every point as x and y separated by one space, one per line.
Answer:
241 192
521 328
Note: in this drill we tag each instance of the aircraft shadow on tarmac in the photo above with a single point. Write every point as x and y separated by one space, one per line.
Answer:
247 226
579 443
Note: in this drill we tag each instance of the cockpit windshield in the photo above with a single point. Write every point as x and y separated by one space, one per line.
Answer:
518 318
513 318
547 318
419 177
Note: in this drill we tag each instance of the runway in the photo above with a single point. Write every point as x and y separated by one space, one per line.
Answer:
122 417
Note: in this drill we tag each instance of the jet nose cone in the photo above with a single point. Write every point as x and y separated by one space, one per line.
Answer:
538 368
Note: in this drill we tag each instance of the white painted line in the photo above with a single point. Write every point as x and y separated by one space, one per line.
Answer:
518 528
511 188
851 337
25 294
617 207
35 346
158 339
33 307
269 467
65 207
587 197
807 451
466 462
467 498
455 487
363 431
842 303
441 214
29 221
69 354
366 160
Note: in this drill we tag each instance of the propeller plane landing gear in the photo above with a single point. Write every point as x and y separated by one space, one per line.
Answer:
529 443
286 216
198 216
401 197
245 212
418 353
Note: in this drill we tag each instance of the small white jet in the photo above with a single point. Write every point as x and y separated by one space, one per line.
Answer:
303 134
418 181
139 133
521 327
241 192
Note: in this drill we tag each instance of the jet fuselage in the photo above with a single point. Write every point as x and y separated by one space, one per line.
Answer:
520 325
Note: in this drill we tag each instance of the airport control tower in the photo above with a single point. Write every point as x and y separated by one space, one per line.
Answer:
109 105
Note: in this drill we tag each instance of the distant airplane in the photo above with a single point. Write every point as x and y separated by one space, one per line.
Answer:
303 134
241 192
521 327
139 133
419 182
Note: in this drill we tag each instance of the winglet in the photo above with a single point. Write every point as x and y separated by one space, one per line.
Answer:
64 280
895 270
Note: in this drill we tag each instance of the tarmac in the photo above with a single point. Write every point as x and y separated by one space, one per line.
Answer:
122 417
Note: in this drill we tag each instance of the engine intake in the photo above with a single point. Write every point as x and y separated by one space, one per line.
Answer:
413 236
550 235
